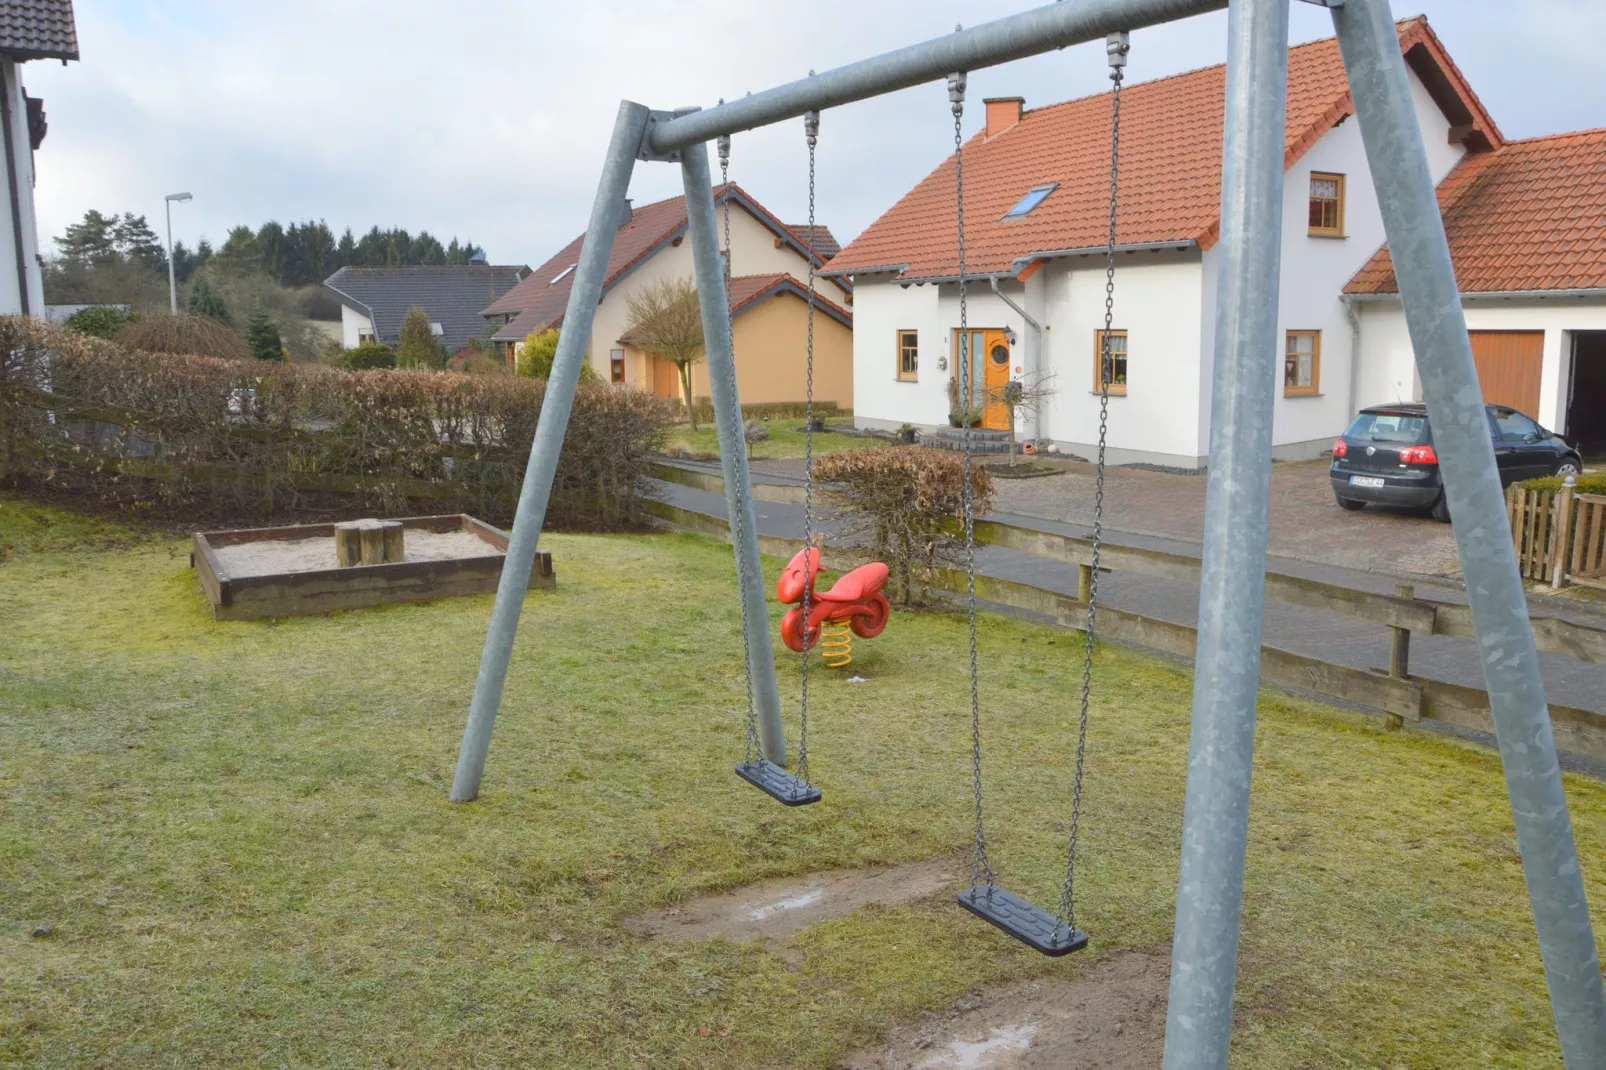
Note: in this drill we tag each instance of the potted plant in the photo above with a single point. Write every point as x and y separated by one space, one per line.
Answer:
906 434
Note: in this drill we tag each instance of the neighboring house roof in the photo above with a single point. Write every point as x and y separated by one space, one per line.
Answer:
1530 216
749 291
453 296
38 29
821 239
1171 143
540 300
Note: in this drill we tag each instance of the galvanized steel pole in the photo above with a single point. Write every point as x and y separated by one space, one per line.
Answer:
586 291
728 421
1014 37
1434 317
1204 957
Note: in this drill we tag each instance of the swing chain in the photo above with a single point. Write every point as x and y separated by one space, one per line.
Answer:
811 128
981 869
738 526
1117 46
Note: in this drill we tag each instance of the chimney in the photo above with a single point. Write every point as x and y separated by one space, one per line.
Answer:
1003 113
627 212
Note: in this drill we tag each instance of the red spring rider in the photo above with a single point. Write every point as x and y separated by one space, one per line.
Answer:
853 606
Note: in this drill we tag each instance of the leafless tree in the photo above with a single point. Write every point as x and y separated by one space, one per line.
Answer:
667 322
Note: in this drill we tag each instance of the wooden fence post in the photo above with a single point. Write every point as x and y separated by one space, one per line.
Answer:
1561 533
1400 652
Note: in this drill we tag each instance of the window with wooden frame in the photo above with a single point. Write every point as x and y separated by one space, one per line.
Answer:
1302 364
908 355
1113 369
616 366
1326 205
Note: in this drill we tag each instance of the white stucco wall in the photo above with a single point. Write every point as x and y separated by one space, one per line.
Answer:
352 321
32 284
1390 362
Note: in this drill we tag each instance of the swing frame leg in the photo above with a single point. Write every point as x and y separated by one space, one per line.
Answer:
589 274
702 235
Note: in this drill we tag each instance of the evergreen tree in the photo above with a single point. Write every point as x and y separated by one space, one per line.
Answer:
137 243
263 337
90 241
205 301
416 346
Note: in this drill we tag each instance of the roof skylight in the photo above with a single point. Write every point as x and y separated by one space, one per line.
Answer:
560 276
1034 197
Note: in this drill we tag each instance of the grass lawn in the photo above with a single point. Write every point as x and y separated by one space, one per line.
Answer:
240 837
785 441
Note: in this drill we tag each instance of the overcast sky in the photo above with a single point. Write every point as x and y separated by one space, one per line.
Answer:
486 119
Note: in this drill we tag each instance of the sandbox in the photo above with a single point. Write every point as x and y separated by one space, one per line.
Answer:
294 571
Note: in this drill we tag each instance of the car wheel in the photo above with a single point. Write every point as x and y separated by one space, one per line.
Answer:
1349 503
1568 467
1441 510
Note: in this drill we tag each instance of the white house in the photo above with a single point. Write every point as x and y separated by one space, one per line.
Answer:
29 29
1036 213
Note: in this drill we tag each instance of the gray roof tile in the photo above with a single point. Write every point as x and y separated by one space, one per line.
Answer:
453 296
38 29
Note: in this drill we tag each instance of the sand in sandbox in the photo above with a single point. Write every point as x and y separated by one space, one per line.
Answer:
275 556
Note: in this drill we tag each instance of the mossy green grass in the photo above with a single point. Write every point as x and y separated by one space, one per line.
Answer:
235 844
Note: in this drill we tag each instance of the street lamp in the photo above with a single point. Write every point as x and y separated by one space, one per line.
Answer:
172 279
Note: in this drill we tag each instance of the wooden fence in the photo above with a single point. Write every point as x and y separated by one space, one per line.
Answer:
1394 692
1560 535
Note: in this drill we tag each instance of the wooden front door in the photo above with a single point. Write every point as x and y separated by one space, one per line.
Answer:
989 367
665 378
996 357
1509 365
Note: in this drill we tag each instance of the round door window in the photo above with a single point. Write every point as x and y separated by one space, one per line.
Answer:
1000 354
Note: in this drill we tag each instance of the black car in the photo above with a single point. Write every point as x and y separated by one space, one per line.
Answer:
1386 457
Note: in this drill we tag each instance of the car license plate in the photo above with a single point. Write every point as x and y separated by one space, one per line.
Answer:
1366 481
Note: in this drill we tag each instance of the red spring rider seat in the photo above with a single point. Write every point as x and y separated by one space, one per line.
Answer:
853 606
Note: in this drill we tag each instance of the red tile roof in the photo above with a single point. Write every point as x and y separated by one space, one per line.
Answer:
1530 216
747 291
540 300
1170 167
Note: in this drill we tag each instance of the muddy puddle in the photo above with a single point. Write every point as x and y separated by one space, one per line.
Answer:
1110 1016
774 910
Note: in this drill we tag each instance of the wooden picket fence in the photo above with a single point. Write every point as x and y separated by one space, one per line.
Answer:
1559 529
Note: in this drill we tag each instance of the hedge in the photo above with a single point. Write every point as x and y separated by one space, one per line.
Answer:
1588 483
253 439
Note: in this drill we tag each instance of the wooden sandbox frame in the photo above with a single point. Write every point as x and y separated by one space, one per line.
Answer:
298 594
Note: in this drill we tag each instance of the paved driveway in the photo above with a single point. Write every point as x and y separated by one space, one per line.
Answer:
1305 522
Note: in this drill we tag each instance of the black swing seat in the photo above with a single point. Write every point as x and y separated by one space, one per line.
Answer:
1031 925
777 783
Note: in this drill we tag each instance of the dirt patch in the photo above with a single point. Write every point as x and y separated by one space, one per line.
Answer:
775 910
1110 1016
269 557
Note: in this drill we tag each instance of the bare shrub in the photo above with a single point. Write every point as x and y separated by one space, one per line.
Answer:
184 334
903 503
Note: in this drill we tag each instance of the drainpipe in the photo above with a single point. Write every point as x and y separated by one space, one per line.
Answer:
7 75
1354 353
1037 350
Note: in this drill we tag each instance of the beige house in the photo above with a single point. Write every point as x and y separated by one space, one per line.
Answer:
769 304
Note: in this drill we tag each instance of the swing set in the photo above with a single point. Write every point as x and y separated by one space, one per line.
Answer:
1226 675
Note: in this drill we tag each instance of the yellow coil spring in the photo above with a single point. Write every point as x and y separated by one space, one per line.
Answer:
836 645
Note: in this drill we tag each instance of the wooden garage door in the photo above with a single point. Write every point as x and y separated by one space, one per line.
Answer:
1508 367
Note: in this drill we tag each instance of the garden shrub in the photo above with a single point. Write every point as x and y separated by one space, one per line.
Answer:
903 503
369 355
252 439
100 321
183 334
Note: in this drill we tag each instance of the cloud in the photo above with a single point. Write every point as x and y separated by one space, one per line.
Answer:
487 119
